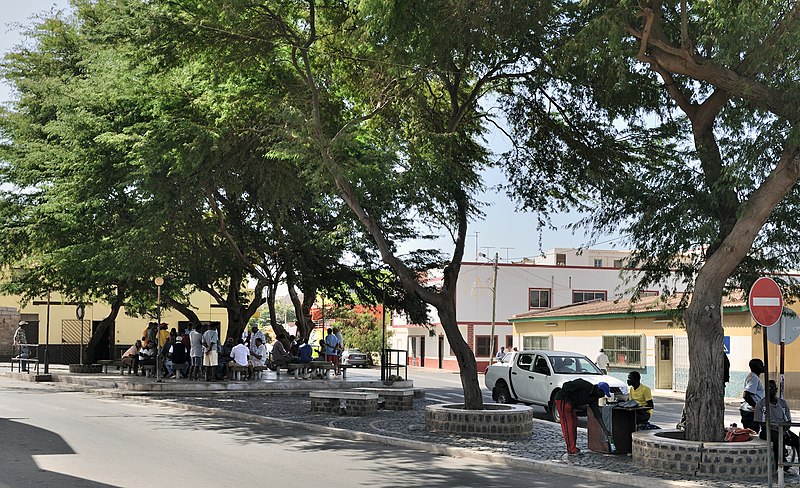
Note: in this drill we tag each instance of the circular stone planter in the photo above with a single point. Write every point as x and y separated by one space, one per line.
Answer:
495 420
668 451
85 368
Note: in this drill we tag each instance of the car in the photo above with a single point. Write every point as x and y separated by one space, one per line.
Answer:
533 377
354 357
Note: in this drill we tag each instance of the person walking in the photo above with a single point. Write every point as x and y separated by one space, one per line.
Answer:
753 393
576 395
602 362
21 343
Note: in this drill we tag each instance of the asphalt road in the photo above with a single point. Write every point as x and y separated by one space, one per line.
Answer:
59 439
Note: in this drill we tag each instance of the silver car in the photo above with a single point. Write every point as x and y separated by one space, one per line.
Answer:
354 357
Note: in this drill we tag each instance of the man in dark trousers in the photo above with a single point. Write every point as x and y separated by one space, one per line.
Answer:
576 395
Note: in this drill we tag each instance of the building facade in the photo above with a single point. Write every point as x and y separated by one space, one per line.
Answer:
561 277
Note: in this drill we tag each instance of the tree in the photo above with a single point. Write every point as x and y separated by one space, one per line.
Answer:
351 65
710 98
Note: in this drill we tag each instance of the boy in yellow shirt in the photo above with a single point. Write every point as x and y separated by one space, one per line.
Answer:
642 395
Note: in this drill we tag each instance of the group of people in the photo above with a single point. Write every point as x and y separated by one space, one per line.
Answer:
196 352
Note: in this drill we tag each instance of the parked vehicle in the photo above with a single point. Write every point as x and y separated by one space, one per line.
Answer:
354 357
534 377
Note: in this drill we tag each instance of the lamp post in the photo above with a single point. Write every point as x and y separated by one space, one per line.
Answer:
79 313
494 309
159 281
383 334
47 338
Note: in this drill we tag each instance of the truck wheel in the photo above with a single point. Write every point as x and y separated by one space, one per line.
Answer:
553 411
502 394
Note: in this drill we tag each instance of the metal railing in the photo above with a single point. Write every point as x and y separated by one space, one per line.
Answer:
395 360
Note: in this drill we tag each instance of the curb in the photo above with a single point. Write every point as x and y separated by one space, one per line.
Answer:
549 467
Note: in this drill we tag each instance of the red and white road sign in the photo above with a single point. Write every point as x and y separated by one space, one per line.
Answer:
766 302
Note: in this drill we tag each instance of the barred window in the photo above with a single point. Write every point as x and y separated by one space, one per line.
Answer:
482 346
536 342
624 350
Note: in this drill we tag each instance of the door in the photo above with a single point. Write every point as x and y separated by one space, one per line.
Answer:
531 378
422 342
664 364
441 352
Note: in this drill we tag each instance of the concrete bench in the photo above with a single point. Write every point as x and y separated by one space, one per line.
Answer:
393 398
350 403
258 370
313 367
148 369
236 371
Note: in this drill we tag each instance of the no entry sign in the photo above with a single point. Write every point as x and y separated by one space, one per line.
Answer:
766 302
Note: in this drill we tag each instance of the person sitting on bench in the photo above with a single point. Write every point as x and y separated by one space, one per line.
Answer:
130 358
257 357
280 356
238 358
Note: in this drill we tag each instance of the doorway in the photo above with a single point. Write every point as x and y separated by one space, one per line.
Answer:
441 351
422 342
664 364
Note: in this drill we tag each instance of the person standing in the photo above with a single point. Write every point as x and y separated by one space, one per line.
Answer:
602 362
195 352
339 348
331 349
21 343
576 395
753 393
210 352
500 354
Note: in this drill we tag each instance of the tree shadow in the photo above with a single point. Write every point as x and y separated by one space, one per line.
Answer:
19 442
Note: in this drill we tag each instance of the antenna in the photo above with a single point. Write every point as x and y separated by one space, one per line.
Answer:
507 249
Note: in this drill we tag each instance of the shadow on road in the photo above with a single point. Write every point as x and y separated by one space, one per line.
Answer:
19 442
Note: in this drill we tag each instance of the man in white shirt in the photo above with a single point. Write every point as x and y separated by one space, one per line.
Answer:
195 353
238 356
210 352
602 362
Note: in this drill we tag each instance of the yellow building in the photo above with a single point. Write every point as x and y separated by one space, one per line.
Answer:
642 336
66 335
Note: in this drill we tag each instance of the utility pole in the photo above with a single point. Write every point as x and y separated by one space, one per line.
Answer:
494 308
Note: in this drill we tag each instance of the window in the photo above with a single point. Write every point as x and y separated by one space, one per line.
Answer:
561 259
538 298
509 342
585 296
648 294
536 342
598 263
482 346
624 351
618 263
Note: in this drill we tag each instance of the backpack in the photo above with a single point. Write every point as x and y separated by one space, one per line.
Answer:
734 434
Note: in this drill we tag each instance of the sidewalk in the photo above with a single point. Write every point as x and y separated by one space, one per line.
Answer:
290 406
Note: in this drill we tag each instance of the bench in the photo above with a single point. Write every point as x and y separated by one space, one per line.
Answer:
148 369
350 403
393 398
313 367
257 370
22 361
235 371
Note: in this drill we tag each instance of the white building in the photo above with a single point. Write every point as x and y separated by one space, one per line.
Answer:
561 277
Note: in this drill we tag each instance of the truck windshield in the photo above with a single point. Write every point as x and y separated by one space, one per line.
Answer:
573 365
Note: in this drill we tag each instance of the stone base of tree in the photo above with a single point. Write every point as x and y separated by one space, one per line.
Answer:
668 451
495 420
350 403
85 368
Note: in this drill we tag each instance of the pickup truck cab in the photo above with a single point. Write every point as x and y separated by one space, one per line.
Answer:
533 377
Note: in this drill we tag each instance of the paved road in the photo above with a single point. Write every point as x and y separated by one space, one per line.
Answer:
50 438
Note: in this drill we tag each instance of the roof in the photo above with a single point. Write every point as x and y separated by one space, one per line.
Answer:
655 305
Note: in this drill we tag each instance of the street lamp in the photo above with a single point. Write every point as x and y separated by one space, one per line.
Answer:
79 313
159 281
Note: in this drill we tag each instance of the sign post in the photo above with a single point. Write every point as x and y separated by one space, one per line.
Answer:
766 307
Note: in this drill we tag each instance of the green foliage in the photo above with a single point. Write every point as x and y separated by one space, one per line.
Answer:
361 330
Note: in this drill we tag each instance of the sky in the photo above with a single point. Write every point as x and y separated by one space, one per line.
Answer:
511 234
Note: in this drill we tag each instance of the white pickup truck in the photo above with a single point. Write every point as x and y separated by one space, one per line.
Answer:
534 377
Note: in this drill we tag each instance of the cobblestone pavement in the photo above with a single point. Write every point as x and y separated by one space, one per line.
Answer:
545 443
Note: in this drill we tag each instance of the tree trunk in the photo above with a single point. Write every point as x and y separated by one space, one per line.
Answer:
705 407
96 344
468 368
184 310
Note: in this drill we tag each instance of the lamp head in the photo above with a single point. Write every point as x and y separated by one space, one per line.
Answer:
159 281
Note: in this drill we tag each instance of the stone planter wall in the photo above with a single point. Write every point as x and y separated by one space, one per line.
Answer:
496 420
737 460
350 403
394 398
85 368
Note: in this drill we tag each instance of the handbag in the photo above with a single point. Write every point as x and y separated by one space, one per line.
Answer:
734 434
